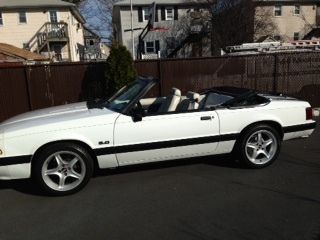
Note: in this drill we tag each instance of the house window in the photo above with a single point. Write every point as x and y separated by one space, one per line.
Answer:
145 14
296 36
169 14
53 16
297 10
22 17
278 10
150 47
1 19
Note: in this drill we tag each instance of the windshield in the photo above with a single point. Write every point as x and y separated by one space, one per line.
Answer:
126 95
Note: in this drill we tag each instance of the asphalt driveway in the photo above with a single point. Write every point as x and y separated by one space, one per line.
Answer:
209 198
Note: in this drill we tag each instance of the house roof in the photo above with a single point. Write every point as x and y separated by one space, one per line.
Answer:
287 1
188 2
14 4
89 33
13 51
158 2
34 3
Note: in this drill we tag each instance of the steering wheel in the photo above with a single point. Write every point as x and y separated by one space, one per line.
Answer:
139 106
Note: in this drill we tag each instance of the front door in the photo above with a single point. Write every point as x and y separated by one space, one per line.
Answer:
165 137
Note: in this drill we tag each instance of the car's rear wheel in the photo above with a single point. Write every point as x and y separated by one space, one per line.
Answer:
259 146
63 168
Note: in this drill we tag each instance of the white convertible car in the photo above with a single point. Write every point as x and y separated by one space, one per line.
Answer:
60 147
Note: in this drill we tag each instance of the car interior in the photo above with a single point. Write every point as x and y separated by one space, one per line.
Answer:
175 102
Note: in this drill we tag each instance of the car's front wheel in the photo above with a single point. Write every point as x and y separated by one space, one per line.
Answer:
63 168
259 146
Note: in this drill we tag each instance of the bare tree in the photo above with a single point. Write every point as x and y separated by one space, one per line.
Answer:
186 36
235 22
179 30
209 16
308 26
99 15
264 25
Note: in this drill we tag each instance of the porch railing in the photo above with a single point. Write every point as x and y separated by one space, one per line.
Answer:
48 32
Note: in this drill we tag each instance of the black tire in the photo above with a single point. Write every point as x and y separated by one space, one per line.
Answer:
68 177
243 147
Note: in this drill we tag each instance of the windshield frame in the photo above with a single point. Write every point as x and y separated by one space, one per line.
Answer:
148 84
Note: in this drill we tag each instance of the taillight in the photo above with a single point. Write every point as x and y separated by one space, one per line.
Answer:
309 113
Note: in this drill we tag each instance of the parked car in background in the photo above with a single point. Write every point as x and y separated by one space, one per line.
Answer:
60 147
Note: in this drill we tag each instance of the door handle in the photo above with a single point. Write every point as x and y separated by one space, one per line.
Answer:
206 118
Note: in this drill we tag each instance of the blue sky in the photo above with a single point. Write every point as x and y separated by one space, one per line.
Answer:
93 13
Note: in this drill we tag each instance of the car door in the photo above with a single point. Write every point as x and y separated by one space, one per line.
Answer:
165 137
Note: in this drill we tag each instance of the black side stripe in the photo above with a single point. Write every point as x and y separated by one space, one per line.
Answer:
158 145
301 127
164 144
15 160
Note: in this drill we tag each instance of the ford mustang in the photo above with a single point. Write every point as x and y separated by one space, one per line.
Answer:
60 147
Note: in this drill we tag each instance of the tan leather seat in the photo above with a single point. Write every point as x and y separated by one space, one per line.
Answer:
171 102
189 103
194 100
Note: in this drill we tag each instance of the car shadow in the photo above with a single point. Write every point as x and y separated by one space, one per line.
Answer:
27 186
223 161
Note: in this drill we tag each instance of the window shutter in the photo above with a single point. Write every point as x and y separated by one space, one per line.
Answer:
157 16
140 17
163 13
176 17
157 42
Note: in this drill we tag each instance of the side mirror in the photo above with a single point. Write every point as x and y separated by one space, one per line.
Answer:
137 114
137 117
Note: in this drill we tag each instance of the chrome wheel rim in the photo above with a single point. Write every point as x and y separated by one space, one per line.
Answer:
261 147
63 171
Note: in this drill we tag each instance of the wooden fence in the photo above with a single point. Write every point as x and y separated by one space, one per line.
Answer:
25 88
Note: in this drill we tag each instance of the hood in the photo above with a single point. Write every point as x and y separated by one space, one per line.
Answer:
47 113
57 118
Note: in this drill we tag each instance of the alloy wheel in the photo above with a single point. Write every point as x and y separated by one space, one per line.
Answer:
261 147
63 171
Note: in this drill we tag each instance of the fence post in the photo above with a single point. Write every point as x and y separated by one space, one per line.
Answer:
160 76
27 70
275 74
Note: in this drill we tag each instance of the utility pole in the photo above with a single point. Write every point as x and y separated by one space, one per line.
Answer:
132 34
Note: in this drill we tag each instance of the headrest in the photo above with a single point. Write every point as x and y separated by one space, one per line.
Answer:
193 96
176 92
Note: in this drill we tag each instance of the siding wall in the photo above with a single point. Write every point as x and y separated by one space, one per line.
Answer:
12 32
123 23
289 23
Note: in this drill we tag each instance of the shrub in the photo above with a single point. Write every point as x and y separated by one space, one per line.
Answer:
120 69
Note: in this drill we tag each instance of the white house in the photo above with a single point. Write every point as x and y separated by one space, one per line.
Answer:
53 28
